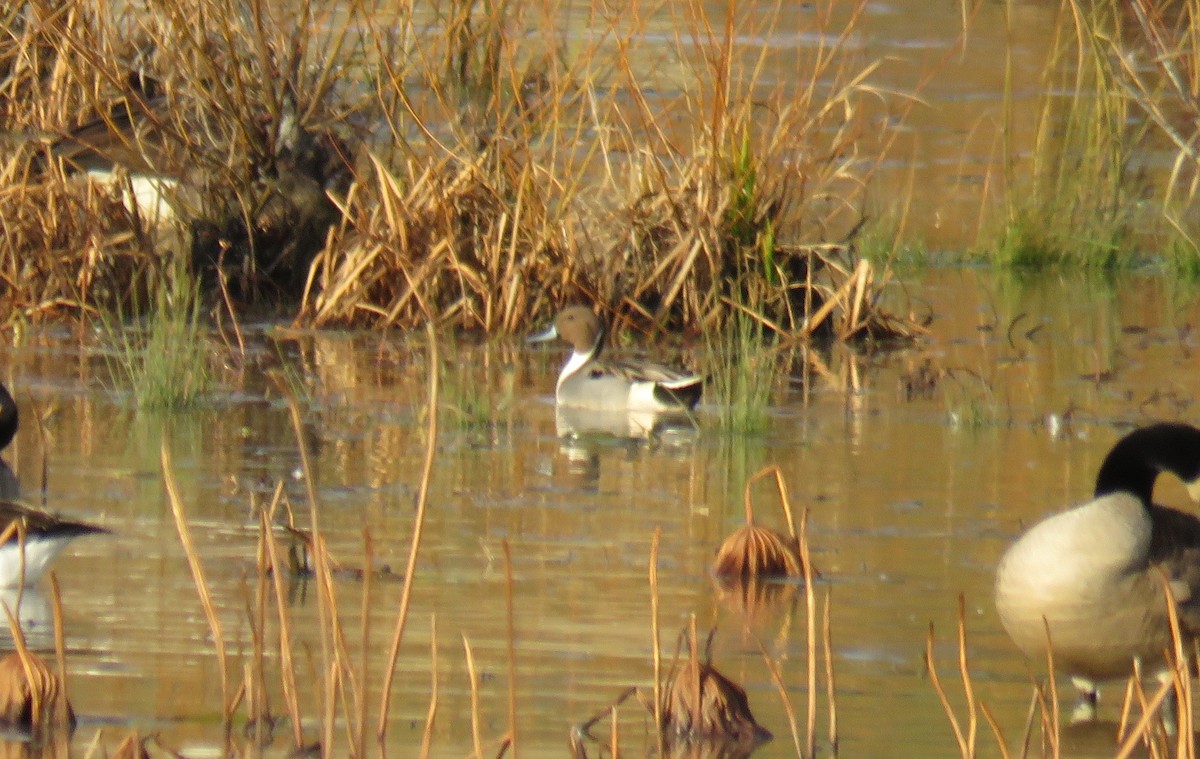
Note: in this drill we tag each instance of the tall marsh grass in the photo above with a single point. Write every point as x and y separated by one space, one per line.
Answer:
1161 77
1076 199
741 371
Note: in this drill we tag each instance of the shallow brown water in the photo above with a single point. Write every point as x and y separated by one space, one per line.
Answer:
911 500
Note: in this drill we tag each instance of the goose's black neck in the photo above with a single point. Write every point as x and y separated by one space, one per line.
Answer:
8 417
1135 461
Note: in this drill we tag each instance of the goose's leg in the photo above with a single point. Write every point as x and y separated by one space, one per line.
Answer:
1170 705
1085 707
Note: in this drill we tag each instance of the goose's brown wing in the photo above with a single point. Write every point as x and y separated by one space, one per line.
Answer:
38 522
1175 548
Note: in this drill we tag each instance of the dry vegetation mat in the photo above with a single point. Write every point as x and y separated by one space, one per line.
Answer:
474 163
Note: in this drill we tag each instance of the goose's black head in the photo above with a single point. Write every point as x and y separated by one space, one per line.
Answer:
1135 461
8 417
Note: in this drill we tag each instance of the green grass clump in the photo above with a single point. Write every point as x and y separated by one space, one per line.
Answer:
476 396
1036 239
741 371
165 361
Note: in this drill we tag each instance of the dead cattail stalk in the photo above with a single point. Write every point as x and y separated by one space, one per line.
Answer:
1053 730
198 578
781 686
473 682
510 616
997 733
1181 679
810 626
965 673
255 671
63 707
286 665
965 750
830 681
1144 724
364 621
656 643
431 715
415 543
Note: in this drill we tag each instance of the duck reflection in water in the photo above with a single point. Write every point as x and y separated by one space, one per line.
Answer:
586 434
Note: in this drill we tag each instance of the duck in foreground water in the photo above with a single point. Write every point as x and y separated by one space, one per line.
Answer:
589 381
1095 572
46 535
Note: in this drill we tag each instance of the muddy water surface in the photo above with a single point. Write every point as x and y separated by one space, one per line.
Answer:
917 465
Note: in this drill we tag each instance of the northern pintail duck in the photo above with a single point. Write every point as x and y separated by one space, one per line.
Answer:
126 150
589 381
1094 572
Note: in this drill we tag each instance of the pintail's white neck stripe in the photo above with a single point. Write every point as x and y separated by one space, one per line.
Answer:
578 360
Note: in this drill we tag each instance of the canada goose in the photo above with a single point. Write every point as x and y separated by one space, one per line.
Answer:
589 381
10 486
1094 573
8 417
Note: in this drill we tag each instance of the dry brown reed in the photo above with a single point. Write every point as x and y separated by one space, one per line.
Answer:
753 552
528 200
1158 71
701 703
507 177
32 696
234 105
